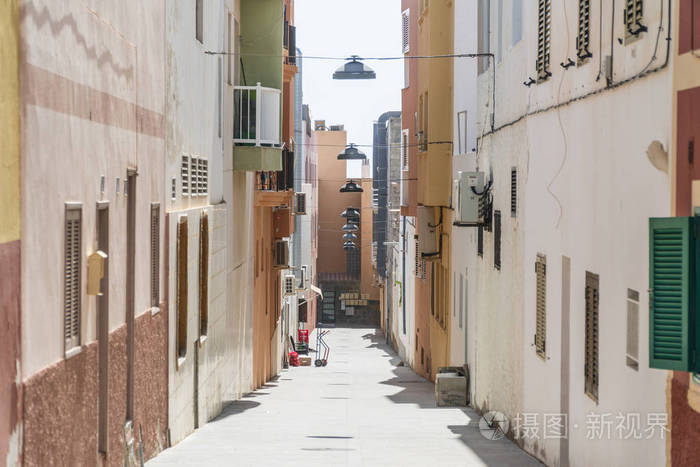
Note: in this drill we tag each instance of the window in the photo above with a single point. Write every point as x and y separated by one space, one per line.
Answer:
480 241
155 255
513 192
199 19
541 306
72 293
517 21
497 240
591 331
182 239
229 50
544 29
484 33
404 150
185 175
633 16
462 132
632 329
420 263
203 274
423 123
406 73
583 40
406 25
688 27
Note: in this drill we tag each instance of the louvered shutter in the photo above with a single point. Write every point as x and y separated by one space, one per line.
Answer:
591 336
544 15
185 175
634 10
497 239
583 40
71 277
513 192
406 24
155 255
541 306
182 244
671 253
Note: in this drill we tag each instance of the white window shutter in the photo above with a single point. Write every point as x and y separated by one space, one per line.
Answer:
405 19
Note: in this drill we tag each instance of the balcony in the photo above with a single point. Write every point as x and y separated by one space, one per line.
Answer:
257 128
276 188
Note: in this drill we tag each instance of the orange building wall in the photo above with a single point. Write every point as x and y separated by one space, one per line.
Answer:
331 176
366 224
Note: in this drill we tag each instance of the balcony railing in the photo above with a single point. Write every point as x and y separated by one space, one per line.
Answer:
282 180
257 118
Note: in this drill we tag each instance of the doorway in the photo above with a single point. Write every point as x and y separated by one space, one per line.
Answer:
103 331
130 193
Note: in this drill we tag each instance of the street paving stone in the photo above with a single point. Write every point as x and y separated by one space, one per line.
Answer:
359 410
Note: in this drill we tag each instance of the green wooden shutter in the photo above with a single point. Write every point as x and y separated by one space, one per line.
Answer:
671 257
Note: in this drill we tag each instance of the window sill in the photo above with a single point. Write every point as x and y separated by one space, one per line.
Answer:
180 362
154 310
73 352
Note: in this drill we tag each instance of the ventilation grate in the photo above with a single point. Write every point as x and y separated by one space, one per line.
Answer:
72 276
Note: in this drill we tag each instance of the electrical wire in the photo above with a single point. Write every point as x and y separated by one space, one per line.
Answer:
364 59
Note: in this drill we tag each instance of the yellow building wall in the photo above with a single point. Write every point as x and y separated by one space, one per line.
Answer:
9 122
435 77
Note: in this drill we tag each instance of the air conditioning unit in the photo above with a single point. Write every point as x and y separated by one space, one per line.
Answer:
281 254
300 204
470 196
289 281
428 232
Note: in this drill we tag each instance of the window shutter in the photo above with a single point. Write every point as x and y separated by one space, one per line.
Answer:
671 251
583 40
591 361
544 17
513 192
632 359
155 255
497 240
541 306
72 276
404 150
633 16
406 24
182 240
203 274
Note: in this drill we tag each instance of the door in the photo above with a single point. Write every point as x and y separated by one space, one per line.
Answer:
130 193
103 332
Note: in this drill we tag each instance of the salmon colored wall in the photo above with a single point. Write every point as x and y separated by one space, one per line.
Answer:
366 226
331 176
409 107
263 284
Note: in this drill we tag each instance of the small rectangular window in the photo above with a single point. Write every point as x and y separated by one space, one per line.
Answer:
541 306
462 132
404 150
583 40
591 336
199 20
517 21
484 33
544 31
497 240
155 255
632 359
72 283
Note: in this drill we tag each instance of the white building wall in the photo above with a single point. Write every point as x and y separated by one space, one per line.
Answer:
585 191
199 123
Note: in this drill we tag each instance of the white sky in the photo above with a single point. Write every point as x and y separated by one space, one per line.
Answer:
340 28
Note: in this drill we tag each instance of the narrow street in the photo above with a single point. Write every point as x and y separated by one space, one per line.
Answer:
361 409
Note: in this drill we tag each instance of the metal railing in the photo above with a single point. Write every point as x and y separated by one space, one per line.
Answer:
257 116
282 180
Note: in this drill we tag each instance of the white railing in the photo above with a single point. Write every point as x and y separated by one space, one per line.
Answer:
257 115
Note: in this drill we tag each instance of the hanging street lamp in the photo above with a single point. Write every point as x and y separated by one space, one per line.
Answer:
351 153
350 213
354 69
351 187
350 228
349 236
349 246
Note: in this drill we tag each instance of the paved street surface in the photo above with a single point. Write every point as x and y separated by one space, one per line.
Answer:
360 410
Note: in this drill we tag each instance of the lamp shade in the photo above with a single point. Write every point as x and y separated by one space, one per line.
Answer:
350 213
352 153
354 69
350 228
349 236
351 187
349 246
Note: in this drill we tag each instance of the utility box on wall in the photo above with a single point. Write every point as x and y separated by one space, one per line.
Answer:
470 190
284 223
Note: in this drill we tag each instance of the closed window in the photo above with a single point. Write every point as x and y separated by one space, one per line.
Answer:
199 20
544 32
405 31
541 306
484 33
591 336
497 240
632 358
72 241
203 274
155 255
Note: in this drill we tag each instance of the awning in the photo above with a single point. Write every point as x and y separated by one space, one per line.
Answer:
317 290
